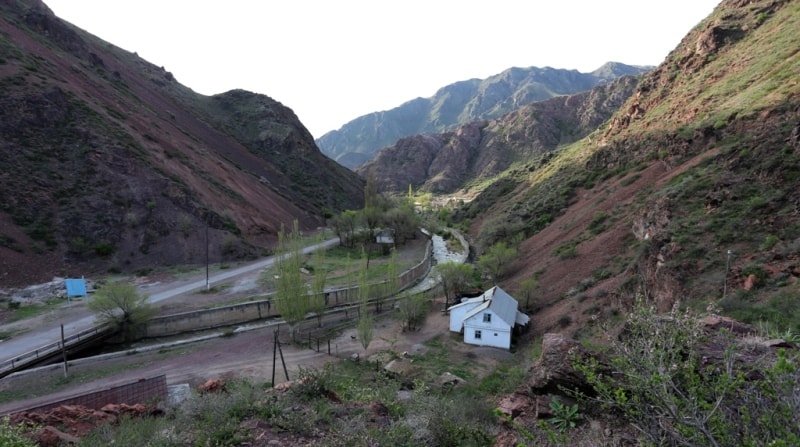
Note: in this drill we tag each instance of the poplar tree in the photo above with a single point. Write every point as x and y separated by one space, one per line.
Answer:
391 283
291 294
317 299
364 326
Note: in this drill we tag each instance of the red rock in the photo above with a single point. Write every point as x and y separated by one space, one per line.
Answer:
515 404
750 282
212 386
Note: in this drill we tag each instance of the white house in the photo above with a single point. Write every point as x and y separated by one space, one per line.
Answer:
487 320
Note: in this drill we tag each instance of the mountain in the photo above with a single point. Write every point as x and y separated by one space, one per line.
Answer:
480 150
110 164
690 193
462 102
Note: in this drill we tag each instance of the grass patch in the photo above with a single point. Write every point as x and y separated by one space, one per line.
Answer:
33 310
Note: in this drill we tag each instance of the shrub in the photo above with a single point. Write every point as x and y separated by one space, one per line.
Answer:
566 250
104 248
564 416
658 371
14 435
769 242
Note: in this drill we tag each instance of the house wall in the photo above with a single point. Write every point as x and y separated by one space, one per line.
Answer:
457 315
496 333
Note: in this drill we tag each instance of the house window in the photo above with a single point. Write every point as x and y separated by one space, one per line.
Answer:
487 318
477 335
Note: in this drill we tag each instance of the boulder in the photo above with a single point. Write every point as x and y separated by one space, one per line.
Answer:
553 370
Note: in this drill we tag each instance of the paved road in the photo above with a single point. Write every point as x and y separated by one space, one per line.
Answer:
38 337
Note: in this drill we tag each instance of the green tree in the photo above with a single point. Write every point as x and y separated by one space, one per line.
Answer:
391 283
412 310
345 225
364 327
527 286
371 220
317 300
455 276
496 261
120 305
404 221
291 294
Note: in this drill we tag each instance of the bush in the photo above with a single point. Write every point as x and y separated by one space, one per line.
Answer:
566 250
14 435
660 370
104 248
121 305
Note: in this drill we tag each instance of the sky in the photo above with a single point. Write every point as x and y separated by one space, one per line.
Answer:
332 61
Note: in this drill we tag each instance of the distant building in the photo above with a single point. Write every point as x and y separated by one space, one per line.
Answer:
385 236
488 320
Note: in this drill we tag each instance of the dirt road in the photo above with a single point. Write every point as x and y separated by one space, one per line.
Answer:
246 354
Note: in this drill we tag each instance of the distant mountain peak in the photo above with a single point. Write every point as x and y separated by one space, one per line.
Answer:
459 103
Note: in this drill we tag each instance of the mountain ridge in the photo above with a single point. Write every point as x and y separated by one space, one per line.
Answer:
477 151
459 103
114 165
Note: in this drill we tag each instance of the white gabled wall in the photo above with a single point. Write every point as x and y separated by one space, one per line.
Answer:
495 333
458 312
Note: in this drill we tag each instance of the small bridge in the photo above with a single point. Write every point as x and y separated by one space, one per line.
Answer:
48 353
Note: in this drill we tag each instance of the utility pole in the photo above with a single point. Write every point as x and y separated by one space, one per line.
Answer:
727 269
64 351
208 284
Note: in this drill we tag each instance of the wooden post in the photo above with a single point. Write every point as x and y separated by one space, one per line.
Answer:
274 354
329 346
64 351
283 362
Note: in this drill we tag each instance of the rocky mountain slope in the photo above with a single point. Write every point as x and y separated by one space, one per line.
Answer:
110 164
460 103
691 192
480 150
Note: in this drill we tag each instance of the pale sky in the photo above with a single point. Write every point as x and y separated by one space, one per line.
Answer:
334 60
